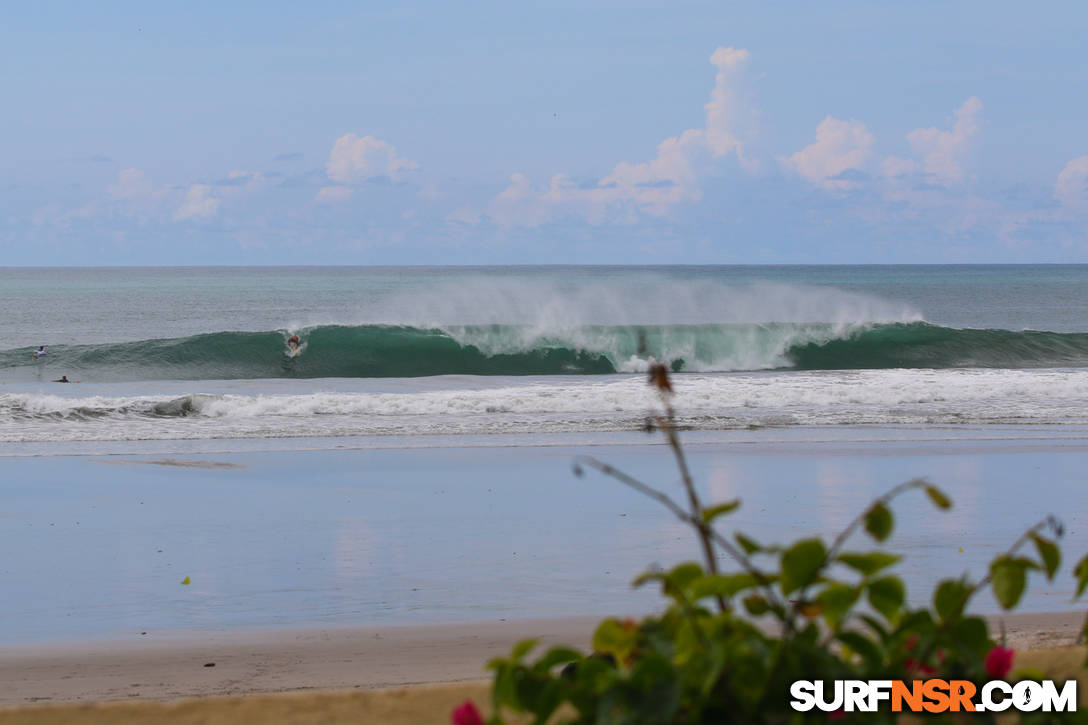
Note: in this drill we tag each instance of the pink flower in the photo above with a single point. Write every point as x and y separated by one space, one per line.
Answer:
999 662
466 714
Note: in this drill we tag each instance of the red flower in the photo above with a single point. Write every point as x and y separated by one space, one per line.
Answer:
999 661
466 714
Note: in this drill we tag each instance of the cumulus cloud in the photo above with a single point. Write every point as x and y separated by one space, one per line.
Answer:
354 160
726 112
1071 188
894 167
840 147
942 152
650 187
198 204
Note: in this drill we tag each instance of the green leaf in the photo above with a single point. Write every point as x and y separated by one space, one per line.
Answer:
869 564
722 585
918 622
749 545
973 634
1049 553
913 623
879 522
649 576
522 648
1008 577
756 605
864 646
878 628
800 564
681 577
557 656
835 601
709 514
1081 572
887 595
939 499
950 598
615 638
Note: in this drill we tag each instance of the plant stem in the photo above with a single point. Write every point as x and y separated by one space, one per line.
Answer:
684 516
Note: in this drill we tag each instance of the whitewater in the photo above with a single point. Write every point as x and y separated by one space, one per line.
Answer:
200 354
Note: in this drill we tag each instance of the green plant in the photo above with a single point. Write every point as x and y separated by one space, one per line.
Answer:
729 644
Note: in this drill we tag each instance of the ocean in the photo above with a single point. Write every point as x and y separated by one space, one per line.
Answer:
413 464
200 354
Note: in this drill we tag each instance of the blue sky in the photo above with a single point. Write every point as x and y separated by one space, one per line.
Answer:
581 132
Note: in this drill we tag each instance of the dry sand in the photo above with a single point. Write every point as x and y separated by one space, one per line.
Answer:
387 675
265 662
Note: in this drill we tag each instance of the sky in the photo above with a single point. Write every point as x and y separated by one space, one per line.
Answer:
543 133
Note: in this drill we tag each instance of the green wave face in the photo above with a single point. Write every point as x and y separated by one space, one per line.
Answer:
920 345
403 351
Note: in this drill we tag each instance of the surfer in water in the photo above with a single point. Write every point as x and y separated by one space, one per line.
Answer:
40 352
292 343
63 379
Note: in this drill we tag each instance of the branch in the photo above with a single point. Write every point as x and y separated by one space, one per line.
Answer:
684 516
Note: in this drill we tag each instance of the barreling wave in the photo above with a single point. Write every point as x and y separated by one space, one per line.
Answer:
371 351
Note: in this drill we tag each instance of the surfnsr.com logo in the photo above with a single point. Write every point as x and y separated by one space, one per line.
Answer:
933 696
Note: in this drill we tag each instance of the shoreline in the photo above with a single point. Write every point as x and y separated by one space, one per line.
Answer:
174 666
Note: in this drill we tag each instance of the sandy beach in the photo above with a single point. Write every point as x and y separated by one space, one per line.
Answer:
267 662
218 664
389 675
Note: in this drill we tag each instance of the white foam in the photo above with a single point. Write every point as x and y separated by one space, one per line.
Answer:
551 405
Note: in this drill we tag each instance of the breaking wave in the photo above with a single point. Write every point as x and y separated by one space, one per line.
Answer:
374 351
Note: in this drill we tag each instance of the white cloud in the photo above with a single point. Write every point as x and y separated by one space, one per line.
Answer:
1071 188
894 167
353 160
198 204
840 146
651 187
519 203
334 194
726 112
943 152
